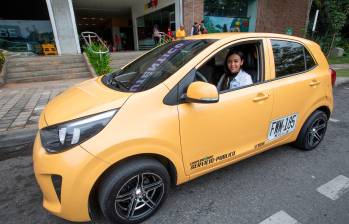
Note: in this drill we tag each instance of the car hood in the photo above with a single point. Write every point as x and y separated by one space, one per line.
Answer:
87 98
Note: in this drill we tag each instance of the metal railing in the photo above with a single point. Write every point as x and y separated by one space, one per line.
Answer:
164 38
91 37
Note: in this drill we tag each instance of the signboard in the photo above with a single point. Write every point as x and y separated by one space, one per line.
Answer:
150 4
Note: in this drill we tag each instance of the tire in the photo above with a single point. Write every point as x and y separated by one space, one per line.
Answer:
133 191
312 132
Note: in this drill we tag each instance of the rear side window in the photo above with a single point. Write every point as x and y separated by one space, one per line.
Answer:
290 58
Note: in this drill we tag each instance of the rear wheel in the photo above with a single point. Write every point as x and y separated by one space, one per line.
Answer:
133 191
313 131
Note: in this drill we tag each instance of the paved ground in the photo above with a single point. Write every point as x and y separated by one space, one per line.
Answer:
21 104
282 184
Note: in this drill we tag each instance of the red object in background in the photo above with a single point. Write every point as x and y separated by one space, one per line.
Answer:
245 23
151 3
154 3
117 42
169 33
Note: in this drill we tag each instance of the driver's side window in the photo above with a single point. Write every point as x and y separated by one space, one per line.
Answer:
234 67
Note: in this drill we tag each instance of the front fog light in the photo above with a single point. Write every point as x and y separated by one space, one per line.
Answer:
62 136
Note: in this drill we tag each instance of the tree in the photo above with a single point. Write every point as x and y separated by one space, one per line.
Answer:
331 20
338 11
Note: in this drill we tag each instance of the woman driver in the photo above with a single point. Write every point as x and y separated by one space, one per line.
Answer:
234 76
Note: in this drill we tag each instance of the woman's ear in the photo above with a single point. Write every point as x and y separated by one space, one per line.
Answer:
242 61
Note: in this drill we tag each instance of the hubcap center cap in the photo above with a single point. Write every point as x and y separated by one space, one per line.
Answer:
138 192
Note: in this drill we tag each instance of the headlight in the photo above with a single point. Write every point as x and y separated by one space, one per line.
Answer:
59 137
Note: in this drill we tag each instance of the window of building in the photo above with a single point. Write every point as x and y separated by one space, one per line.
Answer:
231 8
163 18
290 58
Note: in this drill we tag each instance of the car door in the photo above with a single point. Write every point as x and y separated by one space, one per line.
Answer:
215 134
298 86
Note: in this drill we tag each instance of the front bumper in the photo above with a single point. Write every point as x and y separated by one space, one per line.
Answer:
79 171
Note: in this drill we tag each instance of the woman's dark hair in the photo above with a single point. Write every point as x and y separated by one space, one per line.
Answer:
231 52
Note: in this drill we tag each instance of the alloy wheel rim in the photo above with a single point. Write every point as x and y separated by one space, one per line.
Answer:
139 196
317 131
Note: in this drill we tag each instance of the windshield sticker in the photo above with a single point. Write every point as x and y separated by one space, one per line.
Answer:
210 159
282 126
152 68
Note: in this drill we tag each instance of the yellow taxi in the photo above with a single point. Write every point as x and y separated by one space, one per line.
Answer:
113 145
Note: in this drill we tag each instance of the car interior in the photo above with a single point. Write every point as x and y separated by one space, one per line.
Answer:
213 69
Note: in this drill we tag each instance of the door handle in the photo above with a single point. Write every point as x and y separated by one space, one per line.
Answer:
260 97
314 83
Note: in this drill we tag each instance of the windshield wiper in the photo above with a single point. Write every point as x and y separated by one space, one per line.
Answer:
118 84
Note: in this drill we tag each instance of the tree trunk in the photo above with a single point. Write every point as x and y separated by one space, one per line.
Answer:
331 46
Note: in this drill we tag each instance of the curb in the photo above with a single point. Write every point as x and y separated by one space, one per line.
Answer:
3 74
339 66
341 81
17 138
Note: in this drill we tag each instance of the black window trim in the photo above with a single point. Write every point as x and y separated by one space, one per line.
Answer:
170 100
261 63
261 67
293 74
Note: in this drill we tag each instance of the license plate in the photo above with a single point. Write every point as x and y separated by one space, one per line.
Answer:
282 126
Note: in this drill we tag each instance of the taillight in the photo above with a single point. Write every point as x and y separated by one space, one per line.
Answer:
333 76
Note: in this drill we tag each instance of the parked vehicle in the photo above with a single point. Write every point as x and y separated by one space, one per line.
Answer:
114 144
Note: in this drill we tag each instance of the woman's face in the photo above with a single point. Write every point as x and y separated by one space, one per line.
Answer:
234 63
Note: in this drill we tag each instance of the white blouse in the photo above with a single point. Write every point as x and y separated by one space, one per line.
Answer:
241 79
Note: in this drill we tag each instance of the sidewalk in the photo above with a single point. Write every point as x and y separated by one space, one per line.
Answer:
341 80
339 66
20 108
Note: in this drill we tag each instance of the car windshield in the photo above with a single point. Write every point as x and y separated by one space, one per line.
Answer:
155 66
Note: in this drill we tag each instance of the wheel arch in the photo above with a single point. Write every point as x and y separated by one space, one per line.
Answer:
324 109
93 206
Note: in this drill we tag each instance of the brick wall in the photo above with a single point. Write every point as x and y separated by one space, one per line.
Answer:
275 16
192 14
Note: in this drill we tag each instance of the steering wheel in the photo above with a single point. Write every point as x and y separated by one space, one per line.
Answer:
201 76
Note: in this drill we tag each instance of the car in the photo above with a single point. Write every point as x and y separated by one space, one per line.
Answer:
113 145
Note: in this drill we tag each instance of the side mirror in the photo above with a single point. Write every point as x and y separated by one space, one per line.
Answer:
202 92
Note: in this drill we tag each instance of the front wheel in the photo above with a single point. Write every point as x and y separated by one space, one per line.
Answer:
133 191
313 131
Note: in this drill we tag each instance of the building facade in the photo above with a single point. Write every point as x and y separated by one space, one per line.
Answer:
128 24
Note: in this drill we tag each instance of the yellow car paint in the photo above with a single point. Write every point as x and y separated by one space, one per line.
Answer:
195 138
202 91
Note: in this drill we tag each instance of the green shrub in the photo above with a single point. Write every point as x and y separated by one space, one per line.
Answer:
2 60
100 62
344 43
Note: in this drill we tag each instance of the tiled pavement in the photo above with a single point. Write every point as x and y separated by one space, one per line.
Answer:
21 104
